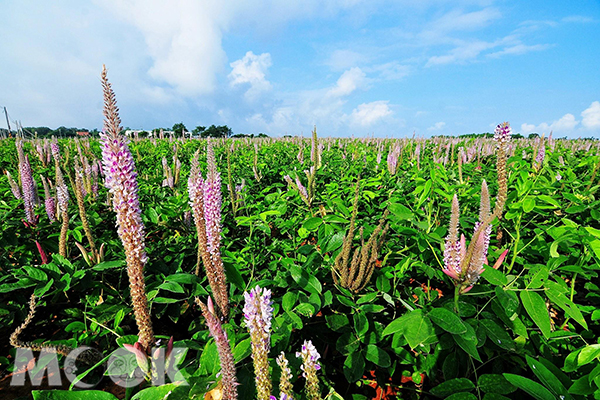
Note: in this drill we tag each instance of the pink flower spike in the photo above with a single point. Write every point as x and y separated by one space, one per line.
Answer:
450 273
465 290
42 253
500 259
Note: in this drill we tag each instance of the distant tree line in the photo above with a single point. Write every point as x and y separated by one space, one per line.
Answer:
179 130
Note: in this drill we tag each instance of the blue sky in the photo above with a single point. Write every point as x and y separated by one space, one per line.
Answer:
351 67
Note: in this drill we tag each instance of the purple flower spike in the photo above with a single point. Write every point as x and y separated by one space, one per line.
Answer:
212 204
258 312
310 366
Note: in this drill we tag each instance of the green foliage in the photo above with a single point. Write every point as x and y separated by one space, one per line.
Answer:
528 328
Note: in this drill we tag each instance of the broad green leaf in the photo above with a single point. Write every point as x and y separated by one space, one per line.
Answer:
508 299
567 305
171 287
582 386
495 383
462 396
68 395
494 276
354 367
588 354
418 328
377 356
289 300
361 323
337 321
533 388
468 342
242 350
548 379
536 308
497 335
528 204
108 265
312 224
447 320
452 386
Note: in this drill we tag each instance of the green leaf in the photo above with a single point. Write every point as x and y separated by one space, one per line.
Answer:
536 308
337 321
508 299
528 204
497 335
468 342
242 350
361 323
170 391
108 265
397 325
233 275
335 242
306 309
567 305
377 356
68 395
495 383
312 224
588 354
400 211
354 367
171 287
447 320
462 396
76 326
452 386
548 379
582 386
418 328
533 388
164 300
494 276
35 273
288 300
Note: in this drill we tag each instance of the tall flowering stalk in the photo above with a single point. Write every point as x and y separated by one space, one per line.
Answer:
49 200
285 382
205 200
14 186
196 195
310 366
258 311
27 184
212 217
121 180
465 264
80 193
228 378
62 197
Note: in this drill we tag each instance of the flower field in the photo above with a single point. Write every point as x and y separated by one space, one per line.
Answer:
305 268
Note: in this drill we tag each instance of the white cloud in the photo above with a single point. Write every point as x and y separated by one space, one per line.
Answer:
564 125
391 71
519 49
251 69
464 52
341 60
352 79
591 116
367 114
183 39
438 126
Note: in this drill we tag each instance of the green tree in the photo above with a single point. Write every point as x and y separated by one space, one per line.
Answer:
197 131
179 128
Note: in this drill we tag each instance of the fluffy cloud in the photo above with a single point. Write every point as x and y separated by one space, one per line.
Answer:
591 116
367 114
564 125
350 80
438 126
251 69
183 40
